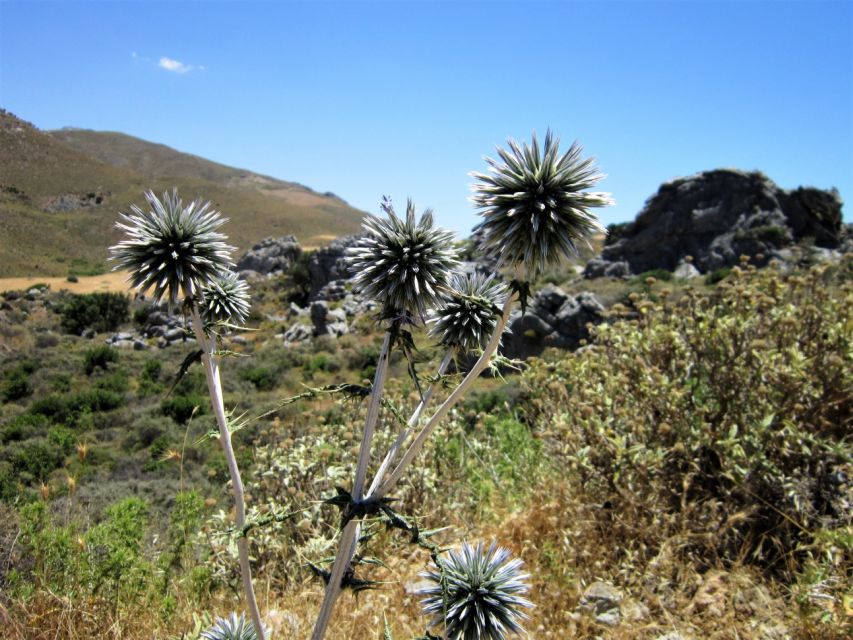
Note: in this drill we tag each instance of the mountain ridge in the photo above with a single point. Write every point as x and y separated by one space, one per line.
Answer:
73 183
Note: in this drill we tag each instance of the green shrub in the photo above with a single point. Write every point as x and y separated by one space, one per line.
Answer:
720 419
717 275
97 311
99 357
115 381
115 564
16 381
23 427
264 378
321 362
62 437
53 407
8 482
37 458
140 315
181 408
151 370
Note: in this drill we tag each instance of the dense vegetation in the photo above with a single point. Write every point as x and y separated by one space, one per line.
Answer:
695 454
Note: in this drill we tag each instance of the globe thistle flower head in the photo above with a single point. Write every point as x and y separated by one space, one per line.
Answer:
172 249
225 299
233 627
402 263
470 311
476 594
535 204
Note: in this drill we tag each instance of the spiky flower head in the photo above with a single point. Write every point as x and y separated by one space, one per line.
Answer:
402 263
535 205
225 299
172 249
477 593
470 311
233 627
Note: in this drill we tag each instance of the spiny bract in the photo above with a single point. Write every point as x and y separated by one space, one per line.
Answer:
404 264
233 627
470 311
225 299
172 249
534 205
476 593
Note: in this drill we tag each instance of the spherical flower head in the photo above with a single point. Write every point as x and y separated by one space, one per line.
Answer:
172 249
403 264
470 311
233 627
535 205
225 299
477 593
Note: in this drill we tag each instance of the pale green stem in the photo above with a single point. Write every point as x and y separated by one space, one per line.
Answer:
349 536
447 405
412 422
214 386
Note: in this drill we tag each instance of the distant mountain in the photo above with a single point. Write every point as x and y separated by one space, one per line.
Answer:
61 192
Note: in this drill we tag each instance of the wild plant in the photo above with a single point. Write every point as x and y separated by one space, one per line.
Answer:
536 210
178 255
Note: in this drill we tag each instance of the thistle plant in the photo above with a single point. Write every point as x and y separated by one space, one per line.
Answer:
172 249
404 264
177 252
225 299
233 627
534 204
476 593
469 313
536 209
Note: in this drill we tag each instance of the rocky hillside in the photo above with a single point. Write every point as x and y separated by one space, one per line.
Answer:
73 183
717 216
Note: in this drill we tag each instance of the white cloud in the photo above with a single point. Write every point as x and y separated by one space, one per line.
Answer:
175 66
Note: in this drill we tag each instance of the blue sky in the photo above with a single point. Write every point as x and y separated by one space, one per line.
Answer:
405 98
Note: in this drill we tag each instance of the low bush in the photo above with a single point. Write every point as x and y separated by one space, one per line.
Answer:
263 378
181 408
99 357
16 381
721 420
97 311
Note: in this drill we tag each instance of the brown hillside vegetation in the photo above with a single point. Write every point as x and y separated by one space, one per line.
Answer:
61 193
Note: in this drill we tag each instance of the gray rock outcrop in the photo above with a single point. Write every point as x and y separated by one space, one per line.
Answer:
270 256
553 319
717 216
328 265
328 321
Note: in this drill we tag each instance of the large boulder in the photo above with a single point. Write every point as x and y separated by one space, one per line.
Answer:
270 256
717 216
329 264
553 318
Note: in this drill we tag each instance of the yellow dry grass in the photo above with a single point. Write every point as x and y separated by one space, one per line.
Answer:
114 281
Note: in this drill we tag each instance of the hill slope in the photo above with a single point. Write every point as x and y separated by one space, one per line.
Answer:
60 194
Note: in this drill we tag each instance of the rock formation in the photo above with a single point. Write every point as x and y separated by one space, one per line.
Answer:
270 256
717 216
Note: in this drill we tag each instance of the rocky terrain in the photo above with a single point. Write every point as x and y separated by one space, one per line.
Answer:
714 217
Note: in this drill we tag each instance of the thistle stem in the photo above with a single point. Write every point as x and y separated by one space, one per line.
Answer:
349 536
412 422
372 417
214 387
447 405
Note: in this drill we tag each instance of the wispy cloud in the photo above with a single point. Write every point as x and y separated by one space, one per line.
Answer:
175 66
